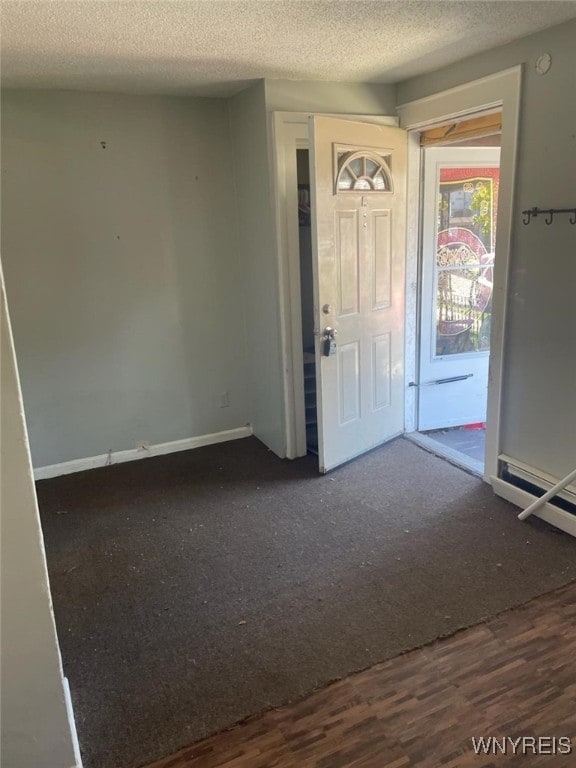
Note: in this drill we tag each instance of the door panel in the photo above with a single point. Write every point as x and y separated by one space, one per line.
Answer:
459 226
380 245
381 370
358 233
348 369
348 257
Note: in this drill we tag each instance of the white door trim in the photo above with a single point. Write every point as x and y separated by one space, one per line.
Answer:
498 91
289 131
413 288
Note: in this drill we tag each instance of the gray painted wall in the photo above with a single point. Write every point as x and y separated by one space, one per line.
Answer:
260 265
337 98
35 728
539 406
121 269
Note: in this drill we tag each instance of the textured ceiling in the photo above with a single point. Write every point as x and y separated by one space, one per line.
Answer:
214 47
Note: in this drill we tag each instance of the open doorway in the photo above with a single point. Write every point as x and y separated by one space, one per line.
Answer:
459 223
307 298
351 286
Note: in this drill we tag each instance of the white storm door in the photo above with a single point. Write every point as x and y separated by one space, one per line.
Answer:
358 238
458 236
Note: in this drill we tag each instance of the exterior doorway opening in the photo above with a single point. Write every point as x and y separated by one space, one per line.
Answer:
458 235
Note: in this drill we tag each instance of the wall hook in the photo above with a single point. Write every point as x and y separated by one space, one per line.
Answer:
531 213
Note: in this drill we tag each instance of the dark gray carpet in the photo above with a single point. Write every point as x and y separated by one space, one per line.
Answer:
194 589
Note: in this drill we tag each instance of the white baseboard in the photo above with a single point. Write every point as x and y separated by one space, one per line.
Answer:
119 457
537 477
549 512
72 723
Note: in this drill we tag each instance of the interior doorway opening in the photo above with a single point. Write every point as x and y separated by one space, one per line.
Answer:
357 201
307 298
459 223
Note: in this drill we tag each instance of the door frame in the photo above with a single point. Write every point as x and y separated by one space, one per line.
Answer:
290 132
497 92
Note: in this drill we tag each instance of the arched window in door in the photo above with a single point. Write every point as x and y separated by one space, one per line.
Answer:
363 171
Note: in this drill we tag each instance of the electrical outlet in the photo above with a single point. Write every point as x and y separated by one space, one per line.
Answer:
225 399
143 445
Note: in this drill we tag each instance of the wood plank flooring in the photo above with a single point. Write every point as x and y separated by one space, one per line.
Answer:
513 676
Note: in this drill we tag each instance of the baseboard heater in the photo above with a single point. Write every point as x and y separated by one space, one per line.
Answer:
522 484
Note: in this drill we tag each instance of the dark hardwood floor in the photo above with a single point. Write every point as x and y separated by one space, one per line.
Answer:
512 676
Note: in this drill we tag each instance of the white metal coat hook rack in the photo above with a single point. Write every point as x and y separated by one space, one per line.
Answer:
532 213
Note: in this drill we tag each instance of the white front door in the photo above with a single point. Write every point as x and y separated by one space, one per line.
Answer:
458 235
358 219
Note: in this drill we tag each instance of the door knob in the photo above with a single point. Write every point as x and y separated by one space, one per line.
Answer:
327 309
